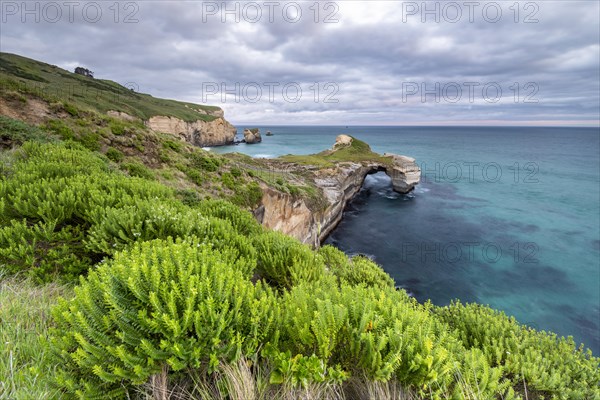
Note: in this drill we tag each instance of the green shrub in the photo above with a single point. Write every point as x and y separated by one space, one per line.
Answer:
14 132
114 154
242 220
116 228
195 176
189 197
300 370
247 196
164 157
70 109
384 335
90 140
60 128
117 127
43 251
547 363
285 262
160 305
136 168
200 159
173 145
228 181
293 190
355 271
236 172
46 202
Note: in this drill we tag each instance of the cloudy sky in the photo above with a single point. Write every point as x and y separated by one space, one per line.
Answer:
344 62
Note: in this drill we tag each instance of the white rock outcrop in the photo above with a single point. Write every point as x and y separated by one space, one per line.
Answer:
217 132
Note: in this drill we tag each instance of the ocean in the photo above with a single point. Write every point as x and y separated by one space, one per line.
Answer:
504 216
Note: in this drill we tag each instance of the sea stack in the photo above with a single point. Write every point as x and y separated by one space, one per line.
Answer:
252 136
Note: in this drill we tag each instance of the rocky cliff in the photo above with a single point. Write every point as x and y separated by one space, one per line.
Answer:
217 132
338 184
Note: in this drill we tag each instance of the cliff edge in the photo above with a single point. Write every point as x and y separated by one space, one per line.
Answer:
337 175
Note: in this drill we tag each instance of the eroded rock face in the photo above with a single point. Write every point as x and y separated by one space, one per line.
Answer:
217 132
122 115
281 212
405 173
252 136
339 184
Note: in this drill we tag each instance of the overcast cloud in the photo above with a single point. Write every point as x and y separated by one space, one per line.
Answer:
503 62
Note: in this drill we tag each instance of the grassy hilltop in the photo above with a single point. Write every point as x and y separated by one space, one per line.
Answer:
56 84
130 267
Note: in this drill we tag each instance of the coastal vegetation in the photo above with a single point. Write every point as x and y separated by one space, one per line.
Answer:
55 85
130 267
357 151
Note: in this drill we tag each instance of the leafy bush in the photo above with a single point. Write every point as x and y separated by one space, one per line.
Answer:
173 145
46 202
189 197
384 335
358 270
548 364
14 132
203 160
136 168
285 262
242 220
117 127
164 157
60 128
195 176
116 228
228 181
159 305
236 172
114 154
70 109
44 250
247 196
90 140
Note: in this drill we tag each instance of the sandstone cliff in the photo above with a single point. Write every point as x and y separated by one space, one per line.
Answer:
217 132
338 184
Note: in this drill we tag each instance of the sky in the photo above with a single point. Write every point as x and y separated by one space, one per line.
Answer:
333 62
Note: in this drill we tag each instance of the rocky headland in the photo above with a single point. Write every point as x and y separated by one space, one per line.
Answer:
336 176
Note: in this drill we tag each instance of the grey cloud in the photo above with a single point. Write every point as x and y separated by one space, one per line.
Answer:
174 49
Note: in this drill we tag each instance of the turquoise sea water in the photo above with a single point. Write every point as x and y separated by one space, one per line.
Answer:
505 216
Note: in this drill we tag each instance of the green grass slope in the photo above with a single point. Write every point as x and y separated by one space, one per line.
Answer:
55 84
